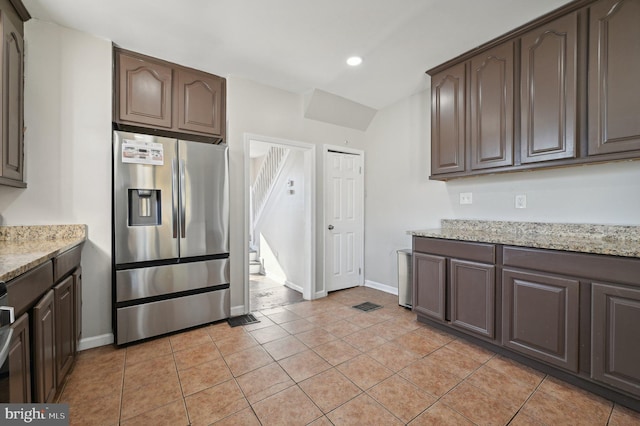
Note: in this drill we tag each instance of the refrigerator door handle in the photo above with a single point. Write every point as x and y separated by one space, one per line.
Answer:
183 200
174 196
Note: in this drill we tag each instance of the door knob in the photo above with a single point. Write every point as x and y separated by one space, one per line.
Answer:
330 227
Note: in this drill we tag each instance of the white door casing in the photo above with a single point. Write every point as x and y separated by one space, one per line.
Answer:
344 219
308 240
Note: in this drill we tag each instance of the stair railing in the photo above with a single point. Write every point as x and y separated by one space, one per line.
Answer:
265 179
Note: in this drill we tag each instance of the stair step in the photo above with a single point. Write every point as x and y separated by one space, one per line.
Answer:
255 267
253 255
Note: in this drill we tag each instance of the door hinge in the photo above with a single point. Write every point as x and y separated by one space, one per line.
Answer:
359 271
360 169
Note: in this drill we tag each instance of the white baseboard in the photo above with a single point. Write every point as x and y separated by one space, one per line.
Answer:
237 310
381 287
320 294
293 286
95 341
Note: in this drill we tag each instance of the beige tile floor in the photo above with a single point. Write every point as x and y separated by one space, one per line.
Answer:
322 363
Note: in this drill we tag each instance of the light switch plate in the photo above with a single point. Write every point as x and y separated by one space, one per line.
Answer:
521 201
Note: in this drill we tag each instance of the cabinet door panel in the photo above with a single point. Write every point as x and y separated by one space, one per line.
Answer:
77 294
200 102
448 120
540 317
472 297
491 98
548 87
614 67
615 344
144 91
44 348
12 101
19 362
65 330
429 275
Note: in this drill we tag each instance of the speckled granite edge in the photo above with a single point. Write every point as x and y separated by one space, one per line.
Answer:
42 232
573 230
614 240
24 247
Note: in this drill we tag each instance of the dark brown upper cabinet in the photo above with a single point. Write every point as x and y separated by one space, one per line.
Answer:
614 85
557 91
448 120
12 95
167 97
145 91
491 99
200 102
548 70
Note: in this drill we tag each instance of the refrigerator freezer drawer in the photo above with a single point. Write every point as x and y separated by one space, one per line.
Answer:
153 319
139 283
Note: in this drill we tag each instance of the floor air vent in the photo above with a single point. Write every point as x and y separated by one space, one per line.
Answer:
367 306
242 320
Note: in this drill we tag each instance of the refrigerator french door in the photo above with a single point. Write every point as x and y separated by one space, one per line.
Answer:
170 235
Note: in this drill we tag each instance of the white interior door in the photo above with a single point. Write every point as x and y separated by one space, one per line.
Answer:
344 232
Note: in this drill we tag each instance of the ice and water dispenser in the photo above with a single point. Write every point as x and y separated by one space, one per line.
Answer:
144 207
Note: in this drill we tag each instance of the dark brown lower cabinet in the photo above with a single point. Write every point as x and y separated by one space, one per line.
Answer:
615 339
472 297
429 293
540 316
19 362
44 348
575 314
65 329
77 294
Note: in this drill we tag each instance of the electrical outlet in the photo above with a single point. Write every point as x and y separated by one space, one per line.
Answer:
521 201
466 198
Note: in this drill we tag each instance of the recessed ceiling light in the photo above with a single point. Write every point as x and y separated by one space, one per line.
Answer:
354 61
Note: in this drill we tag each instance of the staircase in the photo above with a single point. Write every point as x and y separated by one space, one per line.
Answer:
266 177
255 266
261 190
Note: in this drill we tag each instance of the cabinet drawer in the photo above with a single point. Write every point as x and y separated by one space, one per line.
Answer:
592 266
26 289
478 252
66 262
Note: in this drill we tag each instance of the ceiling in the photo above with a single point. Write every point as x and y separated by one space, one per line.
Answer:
301 45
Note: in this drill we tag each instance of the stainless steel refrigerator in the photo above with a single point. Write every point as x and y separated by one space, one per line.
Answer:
170 235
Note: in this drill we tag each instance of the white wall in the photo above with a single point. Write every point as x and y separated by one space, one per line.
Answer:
399 194
283 220
68 152
263 110
400 197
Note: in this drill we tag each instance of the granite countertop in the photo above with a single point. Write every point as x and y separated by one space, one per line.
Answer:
24 247
614 240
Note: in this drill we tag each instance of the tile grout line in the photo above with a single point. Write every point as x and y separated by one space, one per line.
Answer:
389 321
528 399
184 397
235 379
124 368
